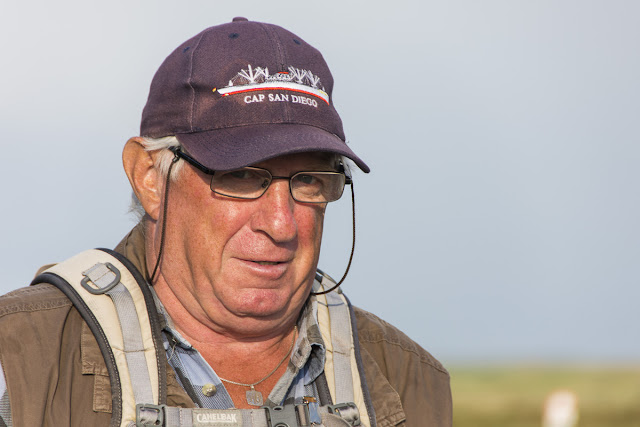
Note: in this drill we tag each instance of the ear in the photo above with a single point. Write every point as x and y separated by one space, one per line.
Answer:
144 178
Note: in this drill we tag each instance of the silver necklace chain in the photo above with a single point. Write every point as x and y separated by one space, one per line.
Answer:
293 341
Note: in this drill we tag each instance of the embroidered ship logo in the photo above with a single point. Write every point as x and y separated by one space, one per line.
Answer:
294 79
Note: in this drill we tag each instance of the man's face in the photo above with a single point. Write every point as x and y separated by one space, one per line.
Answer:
243 263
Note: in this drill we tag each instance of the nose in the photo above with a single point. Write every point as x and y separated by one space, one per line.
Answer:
275 215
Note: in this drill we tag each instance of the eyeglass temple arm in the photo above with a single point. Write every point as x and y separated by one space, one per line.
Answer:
181 154
343 170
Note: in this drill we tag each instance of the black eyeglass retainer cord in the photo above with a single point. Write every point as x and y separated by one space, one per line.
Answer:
164 216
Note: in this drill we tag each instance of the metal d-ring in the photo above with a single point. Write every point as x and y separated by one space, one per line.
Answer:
102 290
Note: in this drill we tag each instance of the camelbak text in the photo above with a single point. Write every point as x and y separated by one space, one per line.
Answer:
217 418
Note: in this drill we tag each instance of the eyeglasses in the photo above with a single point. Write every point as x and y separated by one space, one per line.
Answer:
251 182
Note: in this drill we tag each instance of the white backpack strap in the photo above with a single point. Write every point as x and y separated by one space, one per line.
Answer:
341 365
342 346
105 279
116 308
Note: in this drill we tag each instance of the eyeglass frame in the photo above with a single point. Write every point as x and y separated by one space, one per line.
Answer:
179 153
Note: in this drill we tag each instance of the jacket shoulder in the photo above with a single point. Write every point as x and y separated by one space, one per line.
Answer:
33 298
397 368
373 331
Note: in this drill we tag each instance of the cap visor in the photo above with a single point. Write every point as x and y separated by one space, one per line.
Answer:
232 148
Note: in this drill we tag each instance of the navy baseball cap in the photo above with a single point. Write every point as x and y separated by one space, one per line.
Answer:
243 92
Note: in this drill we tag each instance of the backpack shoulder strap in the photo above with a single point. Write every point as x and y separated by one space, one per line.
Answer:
113 298
343 365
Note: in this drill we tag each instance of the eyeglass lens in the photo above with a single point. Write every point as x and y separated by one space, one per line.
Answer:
251 183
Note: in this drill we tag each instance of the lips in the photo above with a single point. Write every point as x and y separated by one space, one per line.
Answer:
268 262
265 269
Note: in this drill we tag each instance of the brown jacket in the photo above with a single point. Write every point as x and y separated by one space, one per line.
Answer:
56 375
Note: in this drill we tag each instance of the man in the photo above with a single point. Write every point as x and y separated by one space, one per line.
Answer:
240 153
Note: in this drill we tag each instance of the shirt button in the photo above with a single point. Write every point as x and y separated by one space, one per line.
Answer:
209 389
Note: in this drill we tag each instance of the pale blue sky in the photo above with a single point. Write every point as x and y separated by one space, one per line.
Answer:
500 220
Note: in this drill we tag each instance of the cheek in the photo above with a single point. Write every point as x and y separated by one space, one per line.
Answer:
202 220
310 225
218 224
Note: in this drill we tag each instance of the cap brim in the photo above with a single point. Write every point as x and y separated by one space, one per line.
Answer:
232 148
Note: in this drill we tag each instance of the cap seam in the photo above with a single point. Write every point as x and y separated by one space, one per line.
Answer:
281 59
193 89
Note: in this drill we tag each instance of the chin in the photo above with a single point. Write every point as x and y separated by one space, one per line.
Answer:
262 303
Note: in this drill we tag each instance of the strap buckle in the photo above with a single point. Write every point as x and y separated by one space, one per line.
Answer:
149 415
281 416
348 411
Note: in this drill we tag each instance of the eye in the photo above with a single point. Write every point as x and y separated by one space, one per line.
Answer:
245 177
306 179
241 174
245 183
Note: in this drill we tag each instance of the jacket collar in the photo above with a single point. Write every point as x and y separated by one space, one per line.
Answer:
132 246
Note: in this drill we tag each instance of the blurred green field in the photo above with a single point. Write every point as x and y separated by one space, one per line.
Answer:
514 396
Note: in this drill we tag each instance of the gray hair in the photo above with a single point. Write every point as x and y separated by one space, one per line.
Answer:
162 163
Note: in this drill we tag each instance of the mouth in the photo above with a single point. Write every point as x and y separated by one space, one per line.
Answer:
268 269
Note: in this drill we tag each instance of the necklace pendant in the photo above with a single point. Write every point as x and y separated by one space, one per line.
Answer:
254 397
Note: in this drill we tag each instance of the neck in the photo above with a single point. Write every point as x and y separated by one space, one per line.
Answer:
249 365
